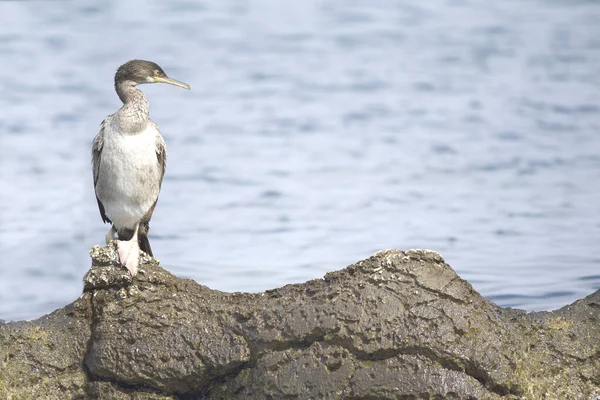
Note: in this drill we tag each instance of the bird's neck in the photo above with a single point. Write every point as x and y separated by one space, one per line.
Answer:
132 117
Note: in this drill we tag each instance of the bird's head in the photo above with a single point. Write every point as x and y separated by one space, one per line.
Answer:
141 71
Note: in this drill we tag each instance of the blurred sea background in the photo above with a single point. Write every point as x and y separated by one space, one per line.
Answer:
316 133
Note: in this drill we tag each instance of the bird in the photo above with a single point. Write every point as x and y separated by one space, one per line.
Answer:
129 157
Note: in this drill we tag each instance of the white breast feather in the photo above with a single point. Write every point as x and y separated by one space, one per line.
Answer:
129 176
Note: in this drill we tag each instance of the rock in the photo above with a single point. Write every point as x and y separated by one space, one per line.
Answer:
400 324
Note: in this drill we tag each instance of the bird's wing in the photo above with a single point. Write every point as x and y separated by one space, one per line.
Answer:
161 155
96 157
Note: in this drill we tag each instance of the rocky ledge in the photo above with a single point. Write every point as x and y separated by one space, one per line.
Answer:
399 325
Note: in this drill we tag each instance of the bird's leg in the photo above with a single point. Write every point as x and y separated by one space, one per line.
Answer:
129 252
110 236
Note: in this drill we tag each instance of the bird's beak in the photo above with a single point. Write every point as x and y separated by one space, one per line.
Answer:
170 81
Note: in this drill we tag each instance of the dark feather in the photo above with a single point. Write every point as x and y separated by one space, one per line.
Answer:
145 245
102 212
96 157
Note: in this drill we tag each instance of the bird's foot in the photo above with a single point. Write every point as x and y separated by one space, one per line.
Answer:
129 255
110 236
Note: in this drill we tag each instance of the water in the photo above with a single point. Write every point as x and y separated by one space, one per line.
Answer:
315 134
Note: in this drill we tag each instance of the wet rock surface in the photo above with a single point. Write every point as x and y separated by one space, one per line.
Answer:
400 324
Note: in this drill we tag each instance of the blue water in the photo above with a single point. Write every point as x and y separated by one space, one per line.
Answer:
316 133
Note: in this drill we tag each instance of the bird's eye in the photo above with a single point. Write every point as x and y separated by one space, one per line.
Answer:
156 72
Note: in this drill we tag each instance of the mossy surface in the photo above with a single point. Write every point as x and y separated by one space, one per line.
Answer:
42 359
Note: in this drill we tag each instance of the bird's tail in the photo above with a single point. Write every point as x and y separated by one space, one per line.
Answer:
145 244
